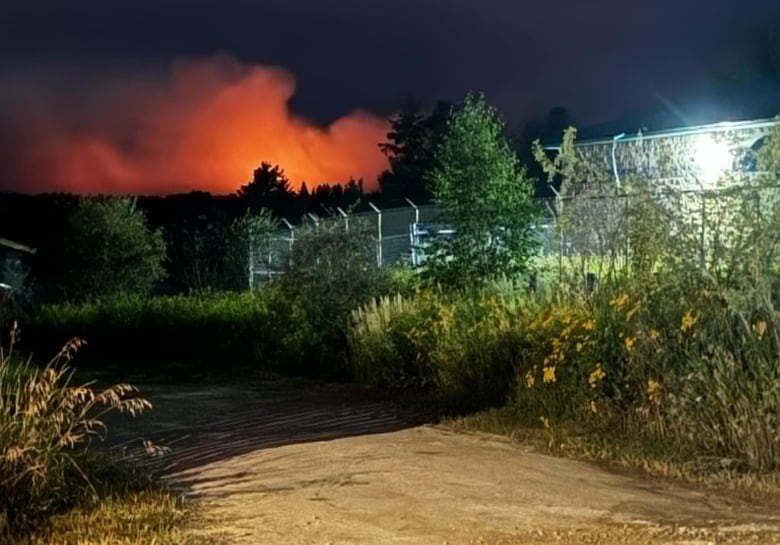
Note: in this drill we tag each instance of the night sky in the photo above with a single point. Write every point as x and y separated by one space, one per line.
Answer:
117 96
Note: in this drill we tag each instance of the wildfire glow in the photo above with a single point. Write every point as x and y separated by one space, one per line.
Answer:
207 128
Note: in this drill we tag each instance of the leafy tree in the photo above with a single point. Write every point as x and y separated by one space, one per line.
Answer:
332 270
109 249
410 149
486 196
269 189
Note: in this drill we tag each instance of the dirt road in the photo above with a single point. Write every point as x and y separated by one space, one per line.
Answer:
303 467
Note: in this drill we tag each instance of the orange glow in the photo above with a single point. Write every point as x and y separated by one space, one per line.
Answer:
208 129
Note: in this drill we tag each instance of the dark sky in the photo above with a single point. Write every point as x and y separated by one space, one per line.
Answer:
597 58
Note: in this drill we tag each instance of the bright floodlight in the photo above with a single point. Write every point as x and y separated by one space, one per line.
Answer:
713 159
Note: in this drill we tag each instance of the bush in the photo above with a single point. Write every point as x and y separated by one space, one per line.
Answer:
691 369
461 348
679 365
199 332
679 346
332 270
45 426
107 249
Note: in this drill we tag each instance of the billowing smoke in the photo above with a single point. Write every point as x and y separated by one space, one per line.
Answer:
207 127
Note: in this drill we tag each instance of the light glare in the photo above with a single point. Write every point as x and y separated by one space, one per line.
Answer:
713 159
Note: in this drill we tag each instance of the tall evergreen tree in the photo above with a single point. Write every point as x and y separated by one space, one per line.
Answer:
410 148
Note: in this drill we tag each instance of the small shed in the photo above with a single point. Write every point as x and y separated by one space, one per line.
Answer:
13 270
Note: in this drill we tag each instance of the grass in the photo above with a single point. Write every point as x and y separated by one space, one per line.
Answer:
680 382
54 488
663 459
152 517
177 335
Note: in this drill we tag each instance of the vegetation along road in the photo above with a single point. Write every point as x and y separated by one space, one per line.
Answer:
307 464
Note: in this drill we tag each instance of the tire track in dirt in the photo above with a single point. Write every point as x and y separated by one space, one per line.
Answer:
316 467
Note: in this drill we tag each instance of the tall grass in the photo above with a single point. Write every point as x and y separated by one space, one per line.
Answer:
46 425
458 347
685 365
200 332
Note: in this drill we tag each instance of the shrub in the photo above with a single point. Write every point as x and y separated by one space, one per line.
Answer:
331 271
199 332
693 369
459 347
106 249
45 426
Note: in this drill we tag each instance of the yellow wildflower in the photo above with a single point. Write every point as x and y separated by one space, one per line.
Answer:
688 321
596 376
759 328
653 387
530 379
579 347
549 374
589 325
630 342
619 302
654 334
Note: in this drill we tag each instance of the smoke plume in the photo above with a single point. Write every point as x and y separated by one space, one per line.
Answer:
206 127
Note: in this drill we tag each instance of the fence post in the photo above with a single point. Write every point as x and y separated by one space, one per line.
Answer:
379 233
292 242
702 251
346 219
251 264
416 210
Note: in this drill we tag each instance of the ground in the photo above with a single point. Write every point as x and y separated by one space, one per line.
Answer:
280 464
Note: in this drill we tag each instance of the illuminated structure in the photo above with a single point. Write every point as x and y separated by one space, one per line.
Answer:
688 158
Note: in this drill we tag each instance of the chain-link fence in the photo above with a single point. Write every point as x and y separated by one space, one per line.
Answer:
399 234
569 227
702 226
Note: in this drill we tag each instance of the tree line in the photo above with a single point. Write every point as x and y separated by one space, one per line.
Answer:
457 154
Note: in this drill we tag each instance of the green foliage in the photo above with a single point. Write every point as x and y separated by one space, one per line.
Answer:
207 332
107 249
680 345
486 196
46 424
459 348
331 271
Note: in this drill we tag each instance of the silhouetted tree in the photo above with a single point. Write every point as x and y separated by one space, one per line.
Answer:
750 59
558 120
269 189
410 146
353 192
